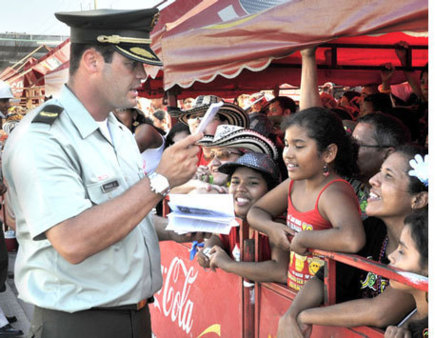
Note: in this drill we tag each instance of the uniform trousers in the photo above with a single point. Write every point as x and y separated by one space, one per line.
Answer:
93 323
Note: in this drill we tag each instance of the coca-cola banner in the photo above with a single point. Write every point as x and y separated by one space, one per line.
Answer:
195 302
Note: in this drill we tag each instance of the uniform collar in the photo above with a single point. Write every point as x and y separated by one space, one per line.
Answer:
80 116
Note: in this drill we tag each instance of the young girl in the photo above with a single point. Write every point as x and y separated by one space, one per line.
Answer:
395 193
322 208
412 255
251 176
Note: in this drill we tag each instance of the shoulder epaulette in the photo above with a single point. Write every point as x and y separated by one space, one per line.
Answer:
48 114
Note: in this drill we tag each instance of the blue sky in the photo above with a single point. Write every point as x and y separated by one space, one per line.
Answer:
37 16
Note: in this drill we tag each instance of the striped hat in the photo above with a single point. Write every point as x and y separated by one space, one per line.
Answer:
234 114
238 137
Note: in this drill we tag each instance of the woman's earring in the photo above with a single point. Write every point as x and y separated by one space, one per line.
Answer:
325 170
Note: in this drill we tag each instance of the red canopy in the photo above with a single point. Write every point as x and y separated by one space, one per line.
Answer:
241 49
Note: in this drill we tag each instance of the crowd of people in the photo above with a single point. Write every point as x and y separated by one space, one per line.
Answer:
87 171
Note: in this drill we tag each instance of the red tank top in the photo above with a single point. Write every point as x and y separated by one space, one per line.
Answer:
302 268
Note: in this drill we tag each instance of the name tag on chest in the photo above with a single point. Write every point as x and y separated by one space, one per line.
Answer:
109 186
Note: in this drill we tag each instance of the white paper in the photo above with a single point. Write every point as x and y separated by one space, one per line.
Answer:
201 213
209 116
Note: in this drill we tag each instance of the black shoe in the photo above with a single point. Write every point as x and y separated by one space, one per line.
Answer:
11 319
9 331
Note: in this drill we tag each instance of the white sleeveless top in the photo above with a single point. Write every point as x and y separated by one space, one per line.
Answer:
151 157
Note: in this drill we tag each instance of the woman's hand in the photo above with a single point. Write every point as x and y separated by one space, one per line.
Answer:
202 259
219 258
397 332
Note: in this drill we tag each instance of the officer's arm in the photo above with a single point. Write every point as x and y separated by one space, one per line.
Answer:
100 226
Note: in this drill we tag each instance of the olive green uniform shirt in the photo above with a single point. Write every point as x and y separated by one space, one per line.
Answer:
55 172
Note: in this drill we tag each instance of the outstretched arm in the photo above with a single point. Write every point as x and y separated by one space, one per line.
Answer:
386 309
310 296
273 270
309 87
272 204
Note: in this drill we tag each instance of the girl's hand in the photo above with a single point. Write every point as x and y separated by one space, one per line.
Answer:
218 258
297 246
202 259
288 326
397 332
281 235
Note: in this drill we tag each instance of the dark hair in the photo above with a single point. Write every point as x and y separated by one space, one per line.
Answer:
177 128
77 50
388 130
285 102
342 113
350 94
409 151
381 102
326 128
409 118
160 115
418 226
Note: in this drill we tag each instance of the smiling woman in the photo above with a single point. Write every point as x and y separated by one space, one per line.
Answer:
250 176
395 194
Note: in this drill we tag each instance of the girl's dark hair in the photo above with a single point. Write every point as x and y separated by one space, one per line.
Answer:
418 226
177 128
409 151
326 128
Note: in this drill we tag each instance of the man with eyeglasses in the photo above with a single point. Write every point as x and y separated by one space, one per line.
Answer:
377 135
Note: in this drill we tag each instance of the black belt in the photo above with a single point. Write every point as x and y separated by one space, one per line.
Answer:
138 306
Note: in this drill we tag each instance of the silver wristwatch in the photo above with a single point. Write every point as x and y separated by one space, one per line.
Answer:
159 184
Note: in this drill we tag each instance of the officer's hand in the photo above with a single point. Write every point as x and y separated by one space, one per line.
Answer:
178 162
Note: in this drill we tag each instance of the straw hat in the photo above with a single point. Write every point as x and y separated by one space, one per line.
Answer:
235 136
234 114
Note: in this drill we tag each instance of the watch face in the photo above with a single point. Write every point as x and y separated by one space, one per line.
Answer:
159 184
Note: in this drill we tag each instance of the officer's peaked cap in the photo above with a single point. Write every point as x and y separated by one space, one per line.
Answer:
127 30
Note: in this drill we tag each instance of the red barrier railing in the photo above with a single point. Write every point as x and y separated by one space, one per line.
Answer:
260 318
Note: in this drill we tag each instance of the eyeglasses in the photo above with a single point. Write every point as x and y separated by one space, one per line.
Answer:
221 155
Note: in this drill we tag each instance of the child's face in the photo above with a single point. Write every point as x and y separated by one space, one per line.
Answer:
406 257
247 186
389 196
300 154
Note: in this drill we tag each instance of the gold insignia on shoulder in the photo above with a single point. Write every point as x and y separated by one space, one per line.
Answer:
46 114
142 52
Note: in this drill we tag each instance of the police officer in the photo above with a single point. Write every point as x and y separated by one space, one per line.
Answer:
89 257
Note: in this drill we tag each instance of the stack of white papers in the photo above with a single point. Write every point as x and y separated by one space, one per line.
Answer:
201 213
